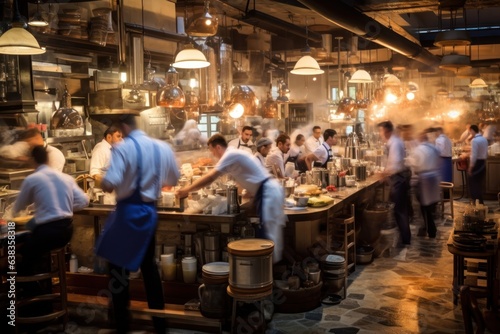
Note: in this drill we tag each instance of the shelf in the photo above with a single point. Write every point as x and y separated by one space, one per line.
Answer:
73 45
59 140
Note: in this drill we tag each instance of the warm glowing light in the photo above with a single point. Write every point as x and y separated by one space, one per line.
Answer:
410 96
391 98
453 113
236 110
314 78
208 22
123 77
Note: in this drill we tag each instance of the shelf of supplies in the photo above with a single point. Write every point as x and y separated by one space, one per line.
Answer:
72 139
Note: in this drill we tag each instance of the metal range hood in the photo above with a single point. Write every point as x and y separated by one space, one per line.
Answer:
277 26
364 26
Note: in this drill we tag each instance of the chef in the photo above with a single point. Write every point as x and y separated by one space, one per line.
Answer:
251 175
323 153
243 142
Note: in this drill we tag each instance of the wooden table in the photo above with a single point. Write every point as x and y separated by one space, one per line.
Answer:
459 256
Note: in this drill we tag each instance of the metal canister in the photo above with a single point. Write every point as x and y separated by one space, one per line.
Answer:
233 205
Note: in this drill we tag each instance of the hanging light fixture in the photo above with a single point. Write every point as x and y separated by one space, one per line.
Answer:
307 65
37 20
17 40
454 62
190 58
478 83
361 76
204 25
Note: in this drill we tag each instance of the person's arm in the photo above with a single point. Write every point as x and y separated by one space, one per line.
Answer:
80 199
310 158
200 183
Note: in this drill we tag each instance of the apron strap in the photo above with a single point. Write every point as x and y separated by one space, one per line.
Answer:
139 162
139 165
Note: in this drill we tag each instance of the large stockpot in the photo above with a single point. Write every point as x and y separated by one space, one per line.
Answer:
250 263
360 172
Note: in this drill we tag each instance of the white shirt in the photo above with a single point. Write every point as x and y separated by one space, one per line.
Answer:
312 144
321 153
424 158
101 155
261 158
244 168
395 155
56 158
276 158
295 151
22 148
464 136
479 149
122 172
56 195
238 143
444 146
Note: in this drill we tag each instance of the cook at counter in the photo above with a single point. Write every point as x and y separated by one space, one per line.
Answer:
249 173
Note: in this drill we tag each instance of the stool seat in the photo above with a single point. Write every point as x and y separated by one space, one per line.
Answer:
446 187
249 298
59 277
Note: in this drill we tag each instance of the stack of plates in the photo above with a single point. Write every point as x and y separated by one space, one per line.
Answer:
72 24
469 242
101 26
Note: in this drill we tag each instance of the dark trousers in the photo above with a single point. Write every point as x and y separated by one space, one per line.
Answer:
119 285
399 186
428 215
38 244
476 180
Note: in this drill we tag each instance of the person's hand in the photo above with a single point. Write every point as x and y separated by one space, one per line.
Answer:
182 193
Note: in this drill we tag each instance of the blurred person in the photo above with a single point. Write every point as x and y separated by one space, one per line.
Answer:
398 176
27 140
101 154
190 134
495 147
140 167
276 158
407 134
263 148
297 149
55 196
445 149
477 164
425 162
323 153
489 132
243 142
465 137
314 141
267 193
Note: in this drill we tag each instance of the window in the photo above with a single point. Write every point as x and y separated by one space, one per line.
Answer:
208 124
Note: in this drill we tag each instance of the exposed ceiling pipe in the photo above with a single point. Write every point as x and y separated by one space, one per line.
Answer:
364 26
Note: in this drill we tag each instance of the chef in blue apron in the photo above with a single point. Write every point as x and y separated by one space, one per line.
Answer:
323 153
139 168
248 172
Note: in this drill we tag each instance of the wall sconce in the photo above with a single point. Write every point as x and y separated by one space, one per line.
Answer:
190 58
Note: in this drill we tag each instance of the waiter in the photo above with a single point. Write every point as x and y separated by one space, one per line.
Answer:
444 146
139 167
243 142
477 164
56 196
398 176
323 153
252 176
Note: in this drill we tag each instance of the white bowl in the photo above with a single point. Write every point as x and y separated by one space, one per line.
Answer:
301 201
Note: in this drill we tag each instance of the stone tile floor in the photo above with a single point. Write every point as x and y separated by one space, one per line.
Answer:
406 290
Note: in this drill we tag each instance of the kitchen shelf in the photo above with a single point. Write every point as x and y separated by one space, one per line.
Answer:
64 44
59 140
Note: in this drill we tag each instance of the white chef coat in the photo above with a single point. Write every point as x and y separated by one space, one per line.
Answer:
101 156
239 144
276 158
312 144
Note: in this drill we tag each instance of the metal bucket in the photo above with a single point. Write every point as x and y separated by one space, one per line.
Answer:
250 263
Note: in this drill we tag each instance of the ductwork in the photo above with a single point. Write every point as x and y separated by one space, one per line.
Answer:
364 26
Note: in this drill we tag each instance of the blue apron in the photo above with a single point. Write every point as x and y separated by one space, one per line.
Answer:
260 230
129 229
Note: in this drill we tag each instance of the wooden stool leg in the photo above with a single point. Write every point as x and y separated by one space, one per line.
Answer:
233 316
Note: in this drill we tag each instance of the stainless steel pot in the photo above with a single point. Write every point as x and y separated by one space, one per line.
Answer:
250 263
211 241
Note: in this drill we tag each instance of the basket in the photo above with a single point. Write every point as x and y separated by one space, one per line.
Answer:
297 301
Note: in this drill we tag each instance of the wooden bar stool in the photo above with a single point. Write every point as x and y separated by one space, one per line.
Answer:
446 187
57 277
257 297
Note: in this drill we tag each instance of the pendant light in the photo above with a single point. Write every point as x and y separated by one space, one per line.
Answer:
204 25
190 58
17 40
37 20
307 65
478 83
